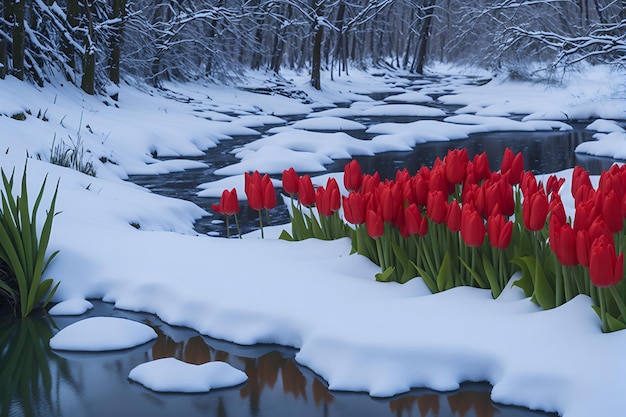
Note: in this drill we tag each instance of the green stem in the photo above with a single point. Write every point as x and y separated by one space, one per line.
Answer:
237 224
603 317
620 303
261 224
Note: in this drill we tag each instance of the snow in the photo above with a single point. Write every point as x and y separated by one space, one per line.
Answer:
172 375
71 307
94 334
355 333
328 123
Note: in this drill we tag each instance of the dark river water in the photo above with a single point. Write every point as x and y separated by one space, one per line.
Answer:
35 381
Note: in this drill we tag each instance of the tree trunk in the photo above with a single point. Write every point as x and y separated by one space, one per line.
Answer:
17 51
316 59
4 48
424 37
119 12
88 82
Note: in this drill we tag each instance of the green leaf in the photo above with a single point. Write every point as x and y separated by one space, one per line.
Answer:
284 235
445 278
614 324
492 277
474 274
402 258
385 276
543 293
526 281
428 280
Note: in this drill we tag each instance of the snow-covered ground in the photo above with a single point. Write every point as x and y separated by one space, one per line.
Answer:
356 333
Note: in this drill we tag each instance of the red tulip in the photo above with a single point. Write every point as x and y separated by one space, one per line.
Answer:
586 213
472 226
453 217
269 193
388 203
370 182
512 166
535 211
481 166
554 184
580 177
255 196
563 242
438 180
374 224
354 208
420 187
437 206
229 204
327 199
612 181
557 209
352 176
306 193
291 181
600 228
611 207
499 231
605 268
412 220
456 160
529 184
584 193
583 247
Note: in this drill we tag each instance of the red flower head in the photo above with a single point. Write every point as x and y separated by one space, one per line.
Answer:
481 166
563 242
583 247
412 220
437 206
586 213
499 231
328 199
557 209
472 226
580 177
611 206
535 211
420 186
352 176
374 224
453 217
605 267
253 185
269 193
354 208
306 193
529 184
291 181
370 182
554 184
229 203
512 166
456 160
438 180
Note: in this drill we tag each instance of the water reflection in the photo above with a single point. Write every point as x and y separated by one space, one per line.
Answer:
37 382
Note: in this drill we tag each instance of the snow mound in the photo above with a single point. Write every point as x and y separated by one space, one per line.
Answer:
71 307
102 334
172 375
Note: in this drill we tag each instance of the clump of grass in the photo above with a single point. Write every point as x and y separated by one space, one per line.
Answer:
72 156
22 251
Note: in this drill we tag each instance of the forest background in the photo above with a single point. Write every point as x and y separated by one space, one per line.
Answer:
95 43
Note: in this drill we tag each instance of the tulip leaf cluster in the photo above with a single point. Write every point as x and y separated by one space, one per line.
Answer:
22 250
